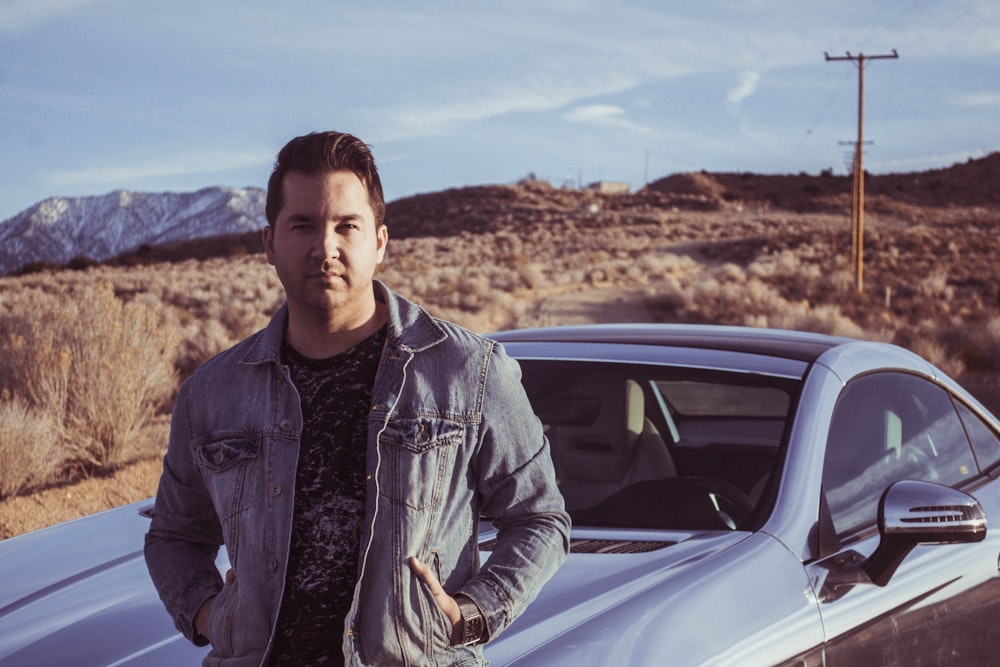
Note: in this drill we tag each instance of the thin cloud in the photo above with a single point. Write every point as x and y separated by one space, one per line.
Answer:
552 88
18 15
595 113
115 176
744 89
982 99
603 114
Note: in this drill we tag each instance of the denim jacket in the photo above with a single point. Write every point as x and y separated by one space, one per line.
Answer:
451 437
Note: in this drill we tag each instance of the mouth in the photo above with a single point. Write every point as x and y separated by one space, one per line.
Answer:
327 277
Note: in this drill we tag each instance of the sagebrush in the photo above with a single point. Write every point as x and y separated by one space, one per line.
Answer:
97 367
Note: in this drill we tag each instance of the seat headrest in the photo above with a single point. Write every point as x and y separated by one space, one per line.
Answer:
603 449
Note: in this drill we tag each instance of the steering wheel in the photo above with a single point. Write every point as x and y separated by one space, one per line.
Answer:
732 503
920 455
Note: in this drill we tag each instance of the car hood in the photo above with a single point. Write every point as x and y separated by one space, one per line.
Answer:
606 570
81 591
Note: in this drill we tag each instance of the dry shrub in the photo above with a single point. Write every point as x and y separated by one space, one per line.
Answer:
935 285
975 343
784 263
98 366
530 275
200 341
32 453
841 281
935 351
993 331
726 295
37 361
819 319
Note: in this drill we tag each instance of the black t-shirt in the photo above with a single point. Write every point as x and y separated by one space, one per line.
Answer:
329 502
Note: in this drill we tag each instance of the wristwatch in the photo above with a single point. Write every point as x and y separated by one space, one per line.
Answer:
473 626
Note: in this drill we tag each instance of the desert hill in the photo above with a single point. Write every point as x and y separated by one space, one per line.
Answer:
933 196
973 183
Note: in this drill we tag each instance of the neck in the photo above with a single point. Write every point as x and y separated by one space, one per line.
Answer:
320 336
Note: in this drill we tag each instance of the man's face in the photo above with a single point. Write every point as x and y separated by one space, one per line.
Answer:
325 245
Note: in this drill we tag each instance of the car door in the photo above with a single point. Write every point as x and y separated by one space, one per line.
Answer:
941 606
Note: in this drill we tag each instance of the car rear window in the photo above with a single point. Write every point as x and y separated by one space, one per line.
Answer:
716 398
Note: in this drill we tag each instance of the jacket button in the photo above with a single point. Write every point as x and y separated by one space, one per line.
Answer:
286 425
272 565
275 489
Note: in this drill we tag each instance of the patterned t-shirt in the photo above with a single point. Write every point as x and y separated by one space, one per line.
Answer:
329 502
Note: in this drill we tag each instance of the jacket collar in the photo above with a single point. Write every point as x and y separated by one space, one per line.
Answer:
410 328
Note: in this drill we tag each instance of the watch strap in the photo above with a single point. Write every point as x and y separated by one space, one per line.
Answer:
473 624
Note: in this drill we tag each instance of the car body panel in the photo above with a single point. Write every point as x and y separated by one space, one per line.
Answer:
940 597
662 617
744 362
61 589
767 590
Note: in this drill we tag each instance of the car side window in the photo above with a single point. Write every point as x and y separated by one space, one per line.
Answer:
887 427
984 439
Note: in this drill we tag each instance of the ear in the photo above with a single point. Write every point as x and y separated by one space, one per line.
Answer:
267 236
382 238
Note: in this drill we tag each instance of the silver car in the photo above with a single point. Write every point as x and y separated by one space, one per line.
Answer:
739 497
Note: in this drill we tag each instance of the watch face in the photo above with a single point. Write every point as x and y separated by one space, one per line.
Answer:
473 629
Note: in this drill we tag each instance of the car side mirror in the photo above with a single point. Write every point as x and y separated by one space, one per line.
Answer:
911 513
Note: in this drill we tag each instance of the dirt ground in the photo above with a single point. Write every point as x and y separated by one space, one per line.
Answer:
21 514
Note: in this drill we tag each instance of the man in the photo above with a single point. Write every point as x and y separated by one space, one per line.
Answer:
344 455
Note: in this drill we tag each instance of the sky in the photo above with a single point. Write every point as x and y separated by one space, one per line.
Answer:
100 95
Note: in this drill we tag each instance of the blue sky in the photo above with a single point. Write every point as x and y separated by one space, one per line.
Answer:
97 95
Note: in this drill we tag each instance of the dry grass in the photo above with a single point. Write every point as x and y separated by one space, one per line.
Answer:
90 357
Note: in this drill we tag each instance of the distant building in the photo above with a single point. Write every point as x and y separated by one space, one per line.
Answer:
609 187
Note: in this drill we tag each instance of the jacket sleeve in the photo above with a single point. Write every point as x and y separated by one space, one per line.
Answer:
184 536
518 487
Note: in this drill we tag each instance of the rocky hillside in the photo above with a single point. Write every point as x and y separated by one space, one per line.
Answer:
973 183
909 197
60 229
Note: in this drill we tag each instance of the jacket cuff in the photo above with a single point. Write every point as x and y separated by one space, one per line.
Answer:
494 607
185 620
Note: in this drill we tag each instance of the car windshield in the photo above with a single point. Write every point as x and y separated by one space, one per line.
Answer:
643 446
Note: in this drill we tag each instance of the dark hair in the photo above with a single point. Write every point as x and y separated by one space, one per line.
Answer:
320 153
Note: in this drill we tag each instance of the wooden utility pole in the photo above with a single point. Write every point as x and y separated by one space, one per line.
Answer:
858 187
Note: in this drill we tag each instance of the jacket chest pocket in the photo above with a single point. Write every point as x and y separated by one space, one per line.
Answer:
224 462
418 455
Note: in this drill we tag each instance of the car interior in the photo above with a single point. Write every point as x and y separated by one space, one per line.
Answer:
660 447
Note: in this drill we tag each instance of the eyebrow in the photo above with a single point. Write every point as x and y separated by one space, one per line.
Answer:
346 217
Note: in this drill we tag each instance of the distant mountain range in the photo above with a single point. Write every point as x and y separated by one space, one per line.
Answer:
60 229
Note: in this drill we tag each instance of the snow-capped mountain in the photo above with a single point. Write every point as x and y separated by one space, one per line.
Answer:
60 228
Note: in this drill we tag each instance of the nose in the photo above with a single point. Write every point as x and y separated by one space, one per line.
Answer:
328 245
